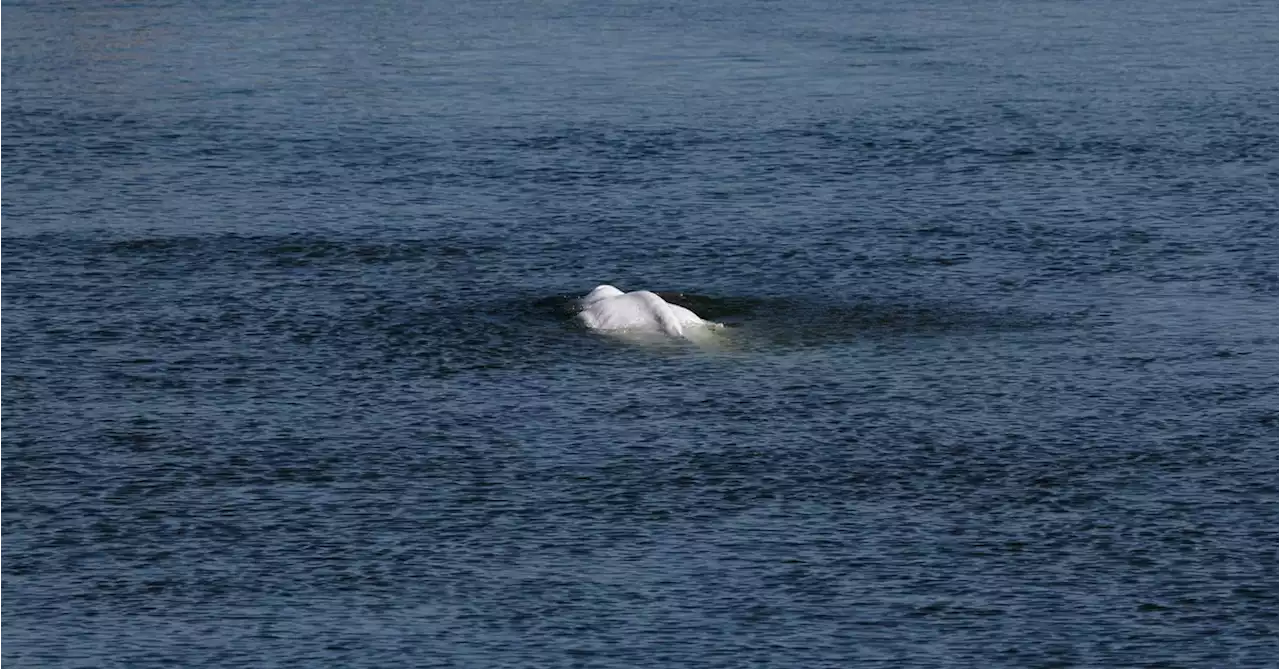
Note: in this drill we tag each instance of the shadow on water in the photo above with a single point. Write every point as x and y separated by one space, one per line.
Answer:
753 322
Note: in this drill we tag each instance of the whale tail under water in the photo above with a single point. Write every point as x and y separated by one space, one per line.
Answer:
606 308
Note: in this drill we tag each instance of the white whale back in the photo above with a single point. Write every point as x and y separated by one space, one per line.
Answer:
606 308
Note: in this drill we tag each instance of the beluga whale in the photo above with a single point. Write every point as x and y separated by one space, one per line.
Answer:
607 309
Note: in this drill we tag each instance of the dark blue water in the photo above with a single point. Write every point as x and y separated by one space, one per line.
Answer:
293 380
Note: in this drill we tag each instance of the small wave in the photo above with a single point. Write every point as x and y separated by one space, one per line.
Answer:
291 251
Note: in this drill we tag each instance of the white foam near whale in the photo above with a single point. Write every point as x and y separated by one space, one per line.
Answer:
608 309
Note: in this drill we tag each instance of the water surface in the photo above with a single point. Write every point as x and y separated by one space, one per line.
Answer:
293 378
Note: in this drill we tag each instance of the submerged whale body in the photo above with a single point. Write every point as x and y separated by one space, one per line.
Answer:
606 308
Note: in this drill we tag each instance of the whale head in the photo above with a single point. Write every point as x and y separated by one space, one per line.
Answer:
601 292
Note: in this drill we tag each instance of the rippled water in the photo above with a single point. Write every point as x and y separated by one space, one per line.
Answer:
293 378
